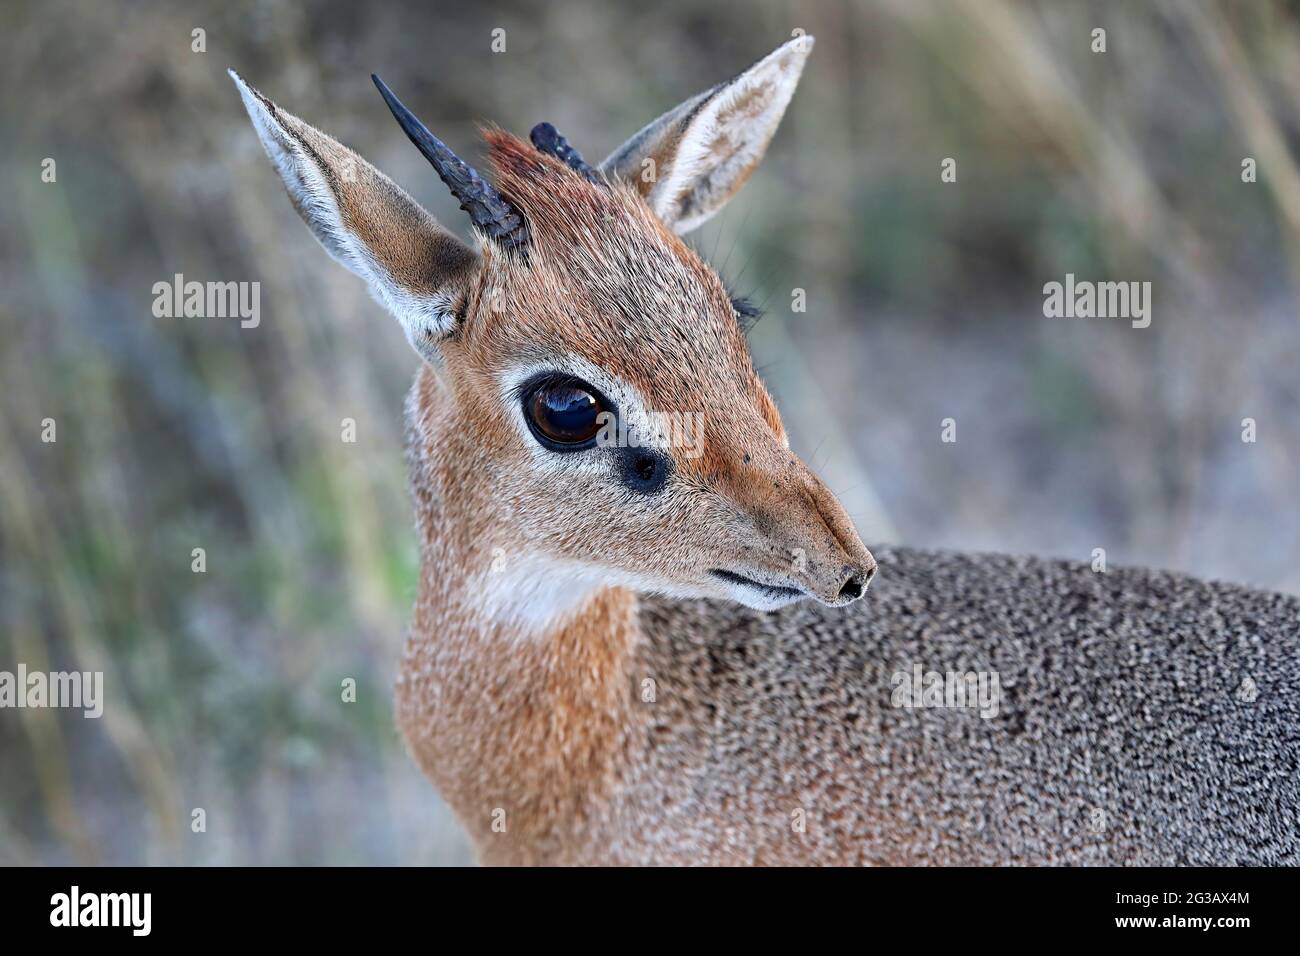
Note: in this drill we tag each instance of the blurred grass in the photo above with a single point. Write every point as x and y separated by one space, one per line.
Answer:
924 302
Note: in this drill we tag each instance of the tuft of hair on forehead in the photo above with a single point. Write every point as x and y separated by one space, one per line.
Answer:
547 190
609 236
559 203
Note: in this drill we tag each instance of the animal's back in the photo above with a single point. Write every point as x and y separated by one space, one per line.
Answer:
1144 718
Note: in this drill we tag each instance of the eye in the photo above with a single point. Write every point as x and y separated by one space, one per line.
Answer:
564 414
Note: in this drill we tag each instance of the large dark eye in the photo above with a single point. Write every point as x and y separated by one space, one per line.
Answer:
564 414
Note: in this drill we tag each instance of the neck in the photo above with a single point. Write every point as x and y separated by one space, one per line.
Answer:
514 690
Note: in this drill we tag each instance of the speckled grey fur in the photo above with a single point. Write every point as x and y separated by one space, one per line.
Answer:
1123 736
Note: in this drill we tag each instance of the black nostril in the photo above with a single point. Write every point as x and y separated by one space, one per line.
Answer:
852 589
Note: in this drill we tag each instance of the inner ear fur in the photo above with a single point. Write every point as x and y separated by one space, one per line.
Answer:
689 162
414 267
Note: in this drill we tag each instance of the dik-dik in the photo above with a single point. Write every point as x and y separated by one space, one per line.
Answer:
630 648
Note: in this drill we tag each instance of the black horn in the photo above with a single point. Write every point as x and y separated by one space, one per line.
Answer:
547 139
487 208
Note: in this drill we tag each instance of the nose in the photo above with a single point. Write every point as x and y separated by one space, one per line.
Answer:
794 513
855 585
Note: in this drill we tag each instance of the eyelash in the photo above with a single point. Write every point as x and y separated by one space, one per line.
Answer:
747 313
554 379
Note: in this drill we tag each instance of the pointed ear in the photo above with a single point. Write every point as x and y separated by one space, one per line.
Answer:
416 269
690 161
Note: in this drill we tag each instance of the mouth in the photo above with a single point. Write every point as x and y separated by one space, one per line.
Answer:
772 592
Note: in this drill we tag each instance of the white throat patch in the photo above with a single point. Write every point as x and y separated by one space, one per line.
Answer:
531 594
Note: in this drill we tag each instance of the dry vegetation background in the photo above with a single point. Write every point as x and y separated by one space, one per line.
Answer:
924 299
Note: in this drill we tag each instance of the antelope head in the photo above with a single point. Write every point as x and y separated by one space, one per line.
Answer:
596 416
